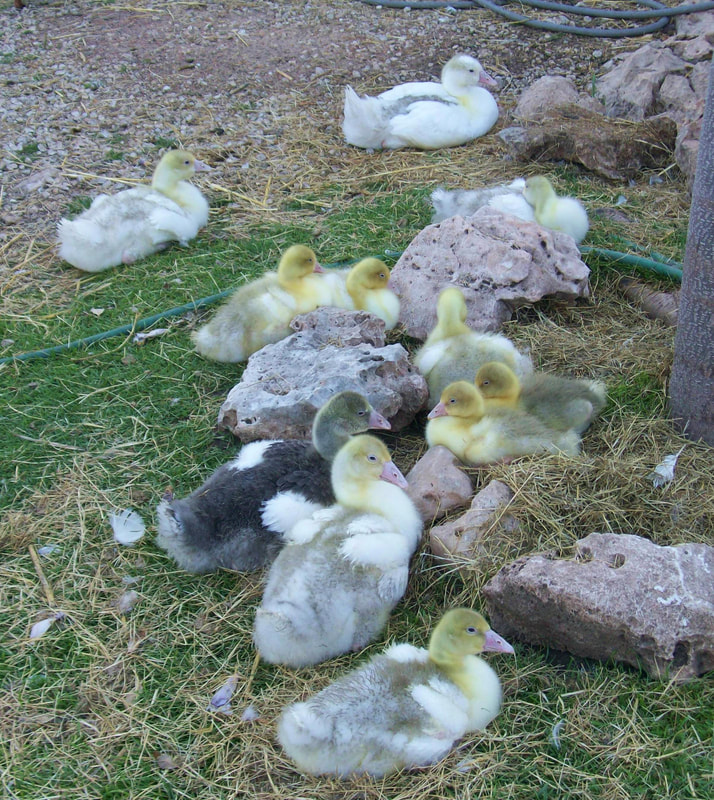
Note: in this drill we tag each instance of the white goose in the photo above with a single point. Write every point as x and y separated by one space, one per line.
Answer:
423 114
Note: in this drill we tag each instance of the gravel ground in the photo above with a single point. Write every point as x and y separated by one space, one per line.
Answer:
90 89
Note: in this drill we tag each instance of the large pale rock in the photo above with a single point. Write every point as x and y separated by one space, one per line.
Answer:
331 351
630 88
498 261
615 149
459 539
549 92
438 484
693 25
677 98
622 597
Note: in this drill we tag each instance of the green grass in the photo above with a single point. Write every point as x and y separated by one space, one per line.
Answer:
89 707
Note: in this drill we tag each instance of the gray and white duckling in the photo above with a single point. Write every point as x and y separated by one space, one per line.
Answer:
342 571
237 518
460 423
561 403
260 312
125 227
453 352
465 202
406 707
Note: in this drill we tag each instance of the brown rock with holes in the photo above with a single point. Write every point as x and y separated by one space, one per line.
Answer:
613 148
498 261
438 484
459 539
331 351
621 597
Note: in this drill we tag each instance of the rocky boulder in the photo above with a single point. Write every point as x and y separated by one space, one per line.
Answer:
332 350
621 597
550 92
612 148
458 540
438 484
498 261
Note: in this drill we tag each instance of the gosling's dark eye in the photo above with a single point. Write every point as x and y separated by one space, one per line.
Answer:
372 458
187 163
361 413
452 400
485 383
471 631
382 275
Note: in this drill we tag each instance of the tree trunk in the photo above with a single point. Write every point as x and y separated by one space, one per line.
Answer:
691 386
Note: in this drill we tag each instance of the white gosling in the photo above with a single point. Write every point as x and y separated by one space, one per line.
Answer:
404 708
261 311
564 214
424 114
465 202
452 351
125 227
333 586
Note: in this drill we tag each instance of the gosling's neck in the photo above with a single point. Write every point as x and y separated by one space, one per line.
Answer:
453 665
327 439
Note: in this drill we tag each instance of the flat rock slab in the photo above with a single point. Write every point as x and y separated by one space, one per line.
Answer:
613 148
621 597
498 261
438 484
332 350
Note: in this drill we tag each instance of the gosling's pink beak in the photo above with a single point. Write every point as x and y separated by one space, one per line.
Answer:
496 644
391 474
318 267
376 420
439 410
487 81
199 166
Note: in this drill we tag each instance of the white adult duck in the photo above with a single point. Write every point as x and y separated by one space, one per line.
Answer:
424 114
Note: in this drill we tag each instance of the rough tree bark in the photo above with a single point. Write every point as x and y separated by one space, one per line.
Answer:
691 386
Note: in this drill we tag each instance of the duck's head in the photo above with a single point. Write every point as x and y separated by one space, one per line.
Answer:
459 399
462 632
297 262
369 273
179 165
538 190
364 460
451 306
497 381
342 416
463 72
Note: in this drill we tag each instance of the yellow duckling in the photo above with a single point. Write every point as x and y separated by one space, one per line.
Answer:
365 287
564 214
260 312
124 227
561 403
331 589
459 422
406 707
454 352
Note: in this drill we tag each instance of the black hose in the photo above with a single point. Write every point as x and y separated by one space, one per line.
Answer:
654 9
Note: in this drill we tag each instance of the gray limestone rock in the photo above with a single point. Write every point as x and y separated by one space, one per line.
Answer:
331 351
621 597
438 484
630 89
459 538
498 261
